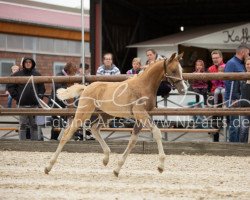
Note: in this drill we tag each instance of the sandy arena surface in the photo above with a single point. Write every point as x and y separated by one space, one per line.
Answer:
82 176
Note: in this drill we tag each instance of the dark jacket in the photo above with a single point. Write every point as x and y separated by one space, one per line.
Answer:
24 94
55 88
245 94
233 65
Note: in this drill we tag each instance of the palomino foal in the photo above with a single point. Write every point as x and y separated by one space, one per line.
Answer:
132 98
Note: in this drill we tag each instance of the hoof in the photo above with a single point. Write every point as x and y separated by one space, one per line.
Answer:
105 162
160 169
46 171
116 173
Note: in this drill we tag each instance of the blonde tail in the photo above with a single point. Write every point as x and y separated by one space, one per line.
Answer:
70 92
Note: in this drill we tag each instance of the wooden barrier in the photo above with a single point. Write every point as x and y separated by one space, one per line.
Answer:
156 111
9 129
93 78
165 132
111 131
159 111
172 130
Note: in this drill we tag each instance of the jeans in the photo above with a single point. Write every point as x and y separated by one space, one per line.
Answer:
9 102
234 128
217 91
26 121
244 129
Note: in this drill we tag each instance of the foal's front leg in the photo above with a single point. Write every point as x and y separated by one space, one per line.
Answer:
141 115
158 137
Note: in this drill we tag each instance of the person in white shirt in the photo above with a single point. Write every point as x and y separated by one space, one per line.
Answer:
108 68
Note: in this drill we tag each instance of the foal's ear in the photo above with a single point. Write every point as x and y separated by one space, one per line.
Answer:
172 57
179 57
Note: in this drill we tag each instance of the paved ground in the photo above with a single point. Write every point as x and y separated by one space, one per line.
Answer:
195 168
82 176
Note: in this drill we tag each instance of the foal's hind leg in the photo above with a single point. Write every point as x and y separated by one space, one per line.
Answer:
65 138
95 130
76 123
133 139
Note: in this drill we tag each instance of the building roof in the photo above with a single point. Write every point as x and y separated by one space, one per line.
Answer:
185 37
15 12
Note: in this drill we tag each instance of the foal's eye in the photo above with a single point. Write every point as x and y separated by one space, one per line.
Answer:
174 72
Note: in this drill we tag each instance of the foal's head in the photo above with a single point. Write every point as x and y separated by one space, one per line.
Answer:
173 71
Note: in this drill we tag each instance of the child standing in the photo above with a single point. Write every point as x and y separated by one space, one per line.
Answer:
136 66
14 69
200 86
245 102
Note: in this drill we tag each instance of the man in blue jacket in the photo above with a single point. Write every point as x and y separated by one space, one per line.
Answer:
26 96
232 93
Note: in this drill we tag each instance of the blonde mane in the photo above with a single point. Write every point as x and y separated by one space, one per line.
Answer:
147 69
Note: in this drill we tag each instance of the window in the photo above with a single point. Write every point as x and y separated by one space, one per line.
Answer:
42 45
14 42
87 49
61 46
29 43
74 47
5 69
57 67
2 41
45 45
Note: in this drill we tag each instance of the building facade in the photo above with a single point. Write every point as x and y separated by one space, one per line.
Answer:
51 35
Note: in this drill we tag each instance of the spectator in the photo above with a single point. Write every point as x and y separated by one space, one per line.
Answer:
86 68
217 59
219 87
245 102
152 56
108 68
136 66
200 86
232 89
58 122
14 69
26 97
